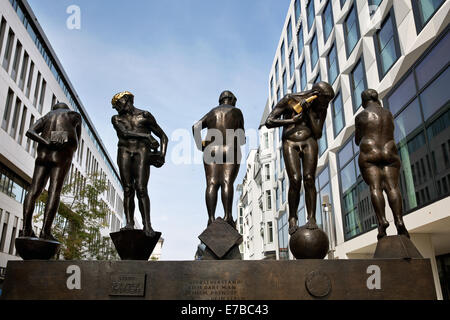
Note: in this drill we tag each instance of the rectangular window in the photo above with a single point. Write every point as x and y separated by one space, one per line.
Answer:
327 21
338 114
300 41
289 32
297 10
271 88
54 101
282 53
36 89
269 232
276 72
284 82
42 96
323 144
373 6
22 125
351 30
314 52
17 55
294 87
386 45
7 112
291 64
267 166
310 14
4 231
333 65
2 32
342 2
23 72
358 82
268 200
30 79
8 50
29 142
424 10
266 140
303 80
13 236
15 119
278 95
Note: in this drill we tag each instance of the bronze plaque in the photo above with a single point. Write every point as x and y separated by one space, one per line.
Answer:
127 285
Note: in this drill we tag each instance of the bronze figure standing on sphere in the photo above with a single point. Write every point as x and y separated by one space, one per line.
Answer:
379 161
137 150
302 116
221 152
57 134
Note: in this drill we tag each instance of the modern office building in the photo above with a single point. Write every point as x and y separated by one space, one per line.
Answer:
32 79
401 49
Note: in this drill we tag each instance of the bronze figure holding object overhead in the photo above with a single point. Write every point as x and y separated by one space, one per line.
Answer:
137 150
57 134
302 116
379 161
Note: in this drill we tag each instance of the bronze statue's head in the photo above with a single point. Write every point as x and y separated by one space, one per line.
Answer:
368 96
324 92
227 97
122 101
60 105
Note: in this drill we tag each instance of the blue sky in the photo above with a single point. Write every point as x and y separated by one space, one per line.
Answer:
176 57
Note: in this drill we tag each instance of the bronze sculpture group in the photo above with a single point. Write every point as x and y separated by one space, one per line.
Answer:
301 117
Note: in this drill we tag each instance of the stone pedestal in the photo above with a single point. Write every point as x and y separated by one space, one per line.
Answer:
396 247
134 244
31 248
370 279
221 240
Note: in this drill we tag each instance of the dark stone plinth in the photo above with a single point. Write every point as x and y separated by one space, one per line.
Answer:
220 280
30 248
396 247
221 240
309 243
134 244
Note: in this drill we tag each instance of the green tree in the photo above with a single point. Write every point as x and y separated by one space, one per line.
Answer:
81 215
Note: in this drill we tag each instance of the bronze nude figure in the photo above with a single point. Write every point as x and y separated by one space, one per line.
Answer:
137 150
221 152
57 134
379 161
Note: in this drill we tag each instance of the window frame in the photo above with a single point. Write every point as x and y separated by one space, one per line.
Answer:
353 7
361 60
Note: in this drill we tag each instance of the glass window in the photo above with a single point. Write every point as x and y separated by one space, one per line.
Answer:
386 44
294 87
22 125
338 114
30 79
15 119
271 87
2 32
278 95
7 112
314 51
284 82
291 64
436 94
297 10
17 55
333 66
424 10
404 92
358 84
342 2
408 120
8 50
289 32
327 21
310 14
303 80
282 52
276 72
300 42
351 30
23 72
433 62
283 237
323 145
373 6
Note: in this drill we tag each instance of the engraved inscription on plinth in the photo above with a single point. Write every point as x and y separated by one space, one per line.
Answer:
127 285
213 289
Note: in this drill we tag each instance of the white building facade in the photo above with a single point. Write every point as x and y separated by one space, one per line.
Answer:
32 80
399 48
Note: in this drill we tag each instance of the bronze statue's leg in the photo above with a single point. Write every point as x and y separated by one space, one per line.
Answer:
309 161
141 173
40 178
230 171
124 162
291 154
212 172
391 176
57 175
373 177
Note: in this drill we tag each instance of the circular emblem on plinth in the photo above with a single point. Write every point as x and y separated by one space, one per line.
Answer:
318 284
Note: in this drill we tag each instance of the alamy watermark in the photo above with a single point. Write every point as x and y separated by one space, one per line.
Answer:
73 22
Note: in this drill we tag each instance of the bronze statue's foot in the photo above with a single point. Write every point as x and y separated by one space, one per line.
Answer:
210 220
27 233
293 229
149 232
231 222
401 229
127 227
382 229
311 224
381 235
47 236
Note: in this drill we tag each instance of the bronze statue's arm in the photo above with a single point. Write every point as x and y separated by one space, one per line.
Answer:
161 135
273 120
196 131
34 132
